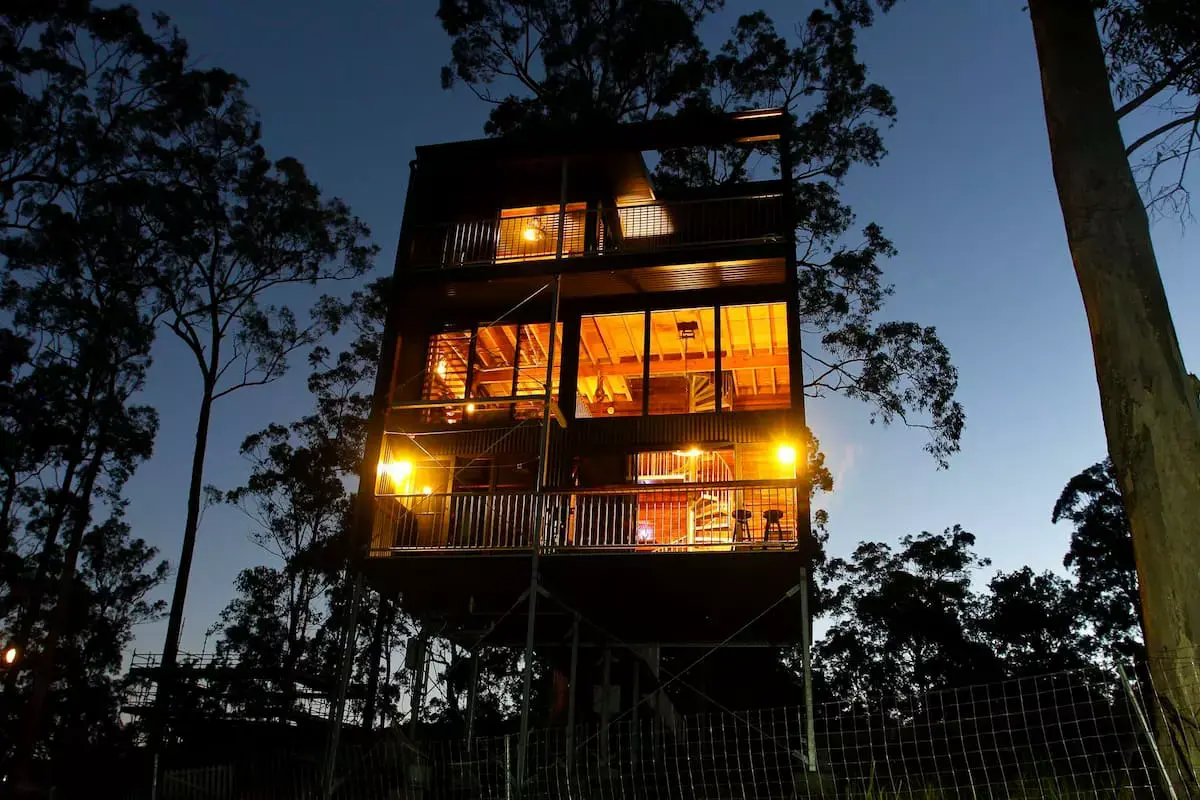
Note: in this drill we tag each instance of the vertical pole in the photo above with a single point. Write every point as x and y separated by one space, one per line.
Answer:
572 688
347 668
472 696
420 678
605 713
527 681
636 699
806 662
542 508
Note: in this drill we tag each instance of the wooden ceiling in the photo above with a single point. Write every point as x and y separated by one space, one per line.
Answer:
753 344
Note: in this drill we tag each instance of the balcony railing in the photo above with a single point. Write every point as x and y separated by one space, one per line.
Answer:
733 515
599 232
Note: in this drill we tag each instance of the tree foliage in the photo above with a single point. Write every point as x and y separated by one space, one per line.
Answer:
1154 66
236 228
1101 558
558 64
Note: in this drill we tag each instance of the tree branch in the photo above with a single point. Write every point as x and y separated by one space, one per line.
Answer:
1161 129
1156 87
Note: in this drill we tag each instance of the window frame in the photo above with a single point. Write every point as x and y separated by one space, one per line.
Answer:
718 336
472 362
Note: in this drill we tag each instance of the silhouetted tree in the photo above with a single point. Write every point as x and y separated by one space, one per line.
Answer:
237 227
1031 622
83 87
905 619
1101 558
1150 413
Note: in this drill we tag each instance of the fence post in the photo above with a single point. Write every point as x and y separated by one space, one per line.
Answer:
1147 732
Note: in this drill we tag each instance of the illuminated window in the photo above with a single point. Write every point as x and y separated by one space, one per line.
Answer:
534 342
679 369
446 373
611 365
754 357
682 361
507 361
494 369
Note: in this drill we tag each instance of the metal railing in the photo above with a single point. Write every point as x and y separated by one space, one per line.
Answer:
726 516
646 228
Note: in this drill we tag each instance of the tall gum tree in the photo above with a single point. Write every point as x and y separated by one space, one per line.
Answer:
1151 418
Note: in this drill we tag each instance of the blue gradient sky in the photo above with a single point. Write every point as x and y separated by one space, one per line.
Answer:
966 193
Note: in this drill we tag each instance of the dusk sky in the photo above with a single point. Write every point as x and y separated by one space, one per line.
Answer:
966 193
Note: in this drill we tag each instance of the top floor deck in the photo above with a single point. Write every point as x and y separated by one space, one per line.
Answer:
492 208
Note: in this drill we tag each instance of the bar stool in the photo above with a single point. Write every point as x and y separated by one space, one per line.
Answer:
773 519
741 525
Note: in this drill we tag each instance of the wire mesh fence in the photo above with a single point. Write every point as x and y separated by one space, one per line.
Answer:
1085 733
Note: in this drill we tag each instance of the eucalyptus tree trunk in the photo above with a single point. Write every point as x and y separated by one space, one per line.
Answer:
1150 413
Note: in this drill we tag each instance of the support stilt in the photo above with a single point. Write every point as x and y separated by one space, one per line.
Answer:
572 689
347 667
636 699
806 662
605 708
527 681
420 678
472 696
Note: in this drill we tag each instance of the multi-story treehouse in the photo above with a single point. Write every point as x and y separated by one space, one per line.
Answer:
589 418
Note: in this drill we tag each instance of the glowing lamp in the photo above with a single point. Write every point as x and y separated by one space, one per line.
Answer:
470 408
786 454
10 655
396 471
531 233
427 490
441 368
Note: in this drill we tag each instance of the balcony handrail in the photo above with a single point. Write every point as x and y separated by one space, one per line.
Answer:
458 402
554 209
616 489
597 231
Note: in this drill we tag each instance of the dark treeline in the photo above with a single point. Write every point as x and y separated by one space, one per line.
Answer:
136 200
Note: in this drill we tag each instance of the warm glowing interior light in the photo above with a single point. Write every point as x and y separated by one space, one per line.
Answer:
397 471
441 368
531 233
10 655
470 408
426 490
786 454
691 453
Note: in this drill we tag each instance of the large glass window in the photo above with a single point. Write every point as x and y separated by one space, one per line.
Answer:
612 354
754 357
491 361
532 351
682 361
666 361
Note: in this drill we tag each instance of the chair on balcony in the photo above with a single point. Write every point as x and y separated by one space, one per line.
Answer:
774 519
741 525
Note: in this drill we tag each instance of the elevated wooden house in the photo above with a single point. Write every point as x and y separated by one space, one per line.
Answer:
594 383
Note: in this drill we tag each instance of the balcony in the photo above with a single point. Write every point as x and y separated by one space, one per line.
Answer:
725 516
524 235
